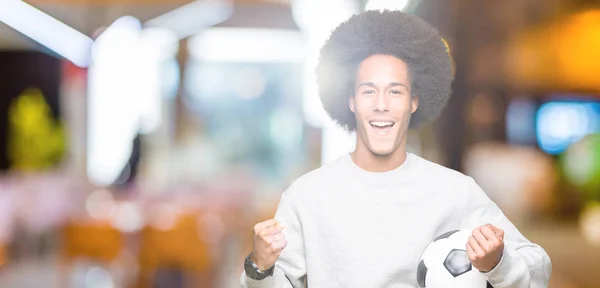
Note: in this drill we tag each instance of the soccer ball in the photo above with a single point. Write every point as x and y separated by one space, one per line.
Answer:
445 263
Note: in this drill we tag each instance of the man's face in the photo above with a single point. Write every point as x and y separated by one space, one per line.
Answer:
382 103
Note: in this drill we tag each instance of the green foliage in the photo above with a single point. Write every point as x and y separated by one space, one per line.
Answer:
36 141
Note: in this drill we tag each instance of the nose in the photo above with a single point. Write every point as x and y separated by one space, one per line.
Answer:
381 103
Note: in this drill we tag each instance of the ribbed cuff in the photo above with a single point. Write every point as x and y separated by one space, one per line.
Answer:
251 283
506 272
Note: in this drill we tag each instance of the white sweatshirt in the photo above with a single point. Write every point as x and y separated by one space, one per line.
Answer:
347 227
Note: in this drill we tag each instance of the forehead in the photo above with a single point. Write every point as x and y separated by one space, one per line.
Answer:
382 69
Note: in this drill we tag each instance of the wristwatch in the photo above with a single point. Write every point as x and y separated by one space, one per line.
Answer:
253 272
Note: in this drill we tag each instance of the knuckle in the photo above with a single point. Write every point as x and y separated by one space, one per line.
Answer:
278 247
273 250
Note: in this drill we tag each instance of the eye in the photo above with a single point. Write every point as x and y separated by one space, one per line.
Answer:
368 92
395 92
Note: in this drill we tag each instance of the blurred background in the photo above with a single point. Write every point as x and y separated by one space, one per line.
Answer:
140 140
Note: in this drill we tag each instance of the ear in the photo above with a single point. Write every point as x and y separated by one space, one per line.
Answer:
351 104
414 104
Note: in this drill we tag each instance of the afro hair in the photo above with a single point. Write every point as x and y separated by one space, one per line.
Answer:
392 33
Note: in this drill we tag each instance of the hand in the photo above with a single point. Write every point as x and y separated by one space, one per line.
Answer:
268 242
485 247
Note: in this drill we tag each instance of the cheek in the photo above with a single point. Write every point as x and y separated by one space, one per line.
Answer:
361 107
402 107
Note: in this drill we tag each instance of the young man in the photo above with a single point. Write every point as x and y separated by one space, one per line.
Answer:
364 219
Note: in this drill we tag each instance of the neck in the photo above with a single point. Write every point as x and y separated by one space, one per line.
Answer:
369 161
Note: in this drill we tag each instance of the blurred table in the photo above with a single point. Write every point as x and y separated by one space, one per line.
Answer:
575 263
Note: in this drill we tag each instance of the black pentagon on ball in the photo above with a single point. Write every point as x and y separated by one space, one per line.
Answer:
457 262
489 285
445 235
421 274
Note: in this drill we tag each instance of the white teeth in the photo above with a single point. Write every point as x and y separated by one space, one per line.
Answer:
381 123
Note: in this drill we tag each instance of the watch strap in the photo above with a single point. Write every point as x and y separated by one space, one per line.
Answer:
254 272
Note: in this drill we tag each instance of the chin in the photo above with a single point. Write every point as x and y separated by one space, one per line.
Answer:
382 151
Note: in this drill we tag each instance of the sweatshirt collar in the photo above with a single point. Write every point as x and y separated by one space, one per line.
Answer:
379 179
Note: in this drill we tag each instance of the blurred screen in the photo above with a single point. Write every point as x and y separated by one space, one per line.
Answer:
520 121
559 123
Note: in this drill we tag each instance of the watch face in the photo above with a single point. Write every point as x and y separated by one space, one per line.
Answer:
253 272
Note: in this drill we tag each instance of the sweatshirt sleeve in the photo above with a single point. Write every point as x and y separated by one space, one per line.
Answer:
290 268
523 263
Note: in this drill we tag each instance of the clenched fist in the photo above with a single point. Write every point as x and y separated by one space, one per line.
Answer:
485 247
268 243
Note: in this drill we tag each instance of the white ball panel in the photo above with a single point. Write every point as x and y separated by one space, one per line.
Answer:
471 279
459 239
438 277
436 253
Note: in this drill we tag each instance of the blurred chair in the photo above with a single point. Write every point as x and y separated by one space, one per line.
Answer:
95 241
177 252
3 256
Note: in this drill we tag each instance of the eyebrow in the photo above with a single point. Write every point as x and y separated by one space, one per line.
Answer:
371 84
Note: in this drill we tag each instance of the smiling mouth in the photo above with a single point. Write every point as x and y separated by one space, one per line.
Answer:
382 127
